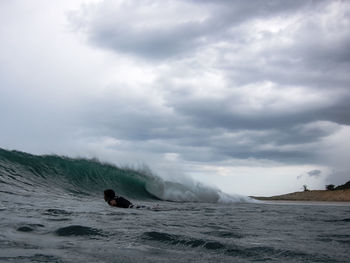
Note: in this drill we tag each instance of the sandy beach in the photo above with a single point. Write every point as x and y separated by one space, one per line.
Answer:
314 195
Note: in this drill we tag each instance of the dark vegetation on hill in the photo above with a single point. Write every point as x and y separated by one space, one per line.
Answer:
343 186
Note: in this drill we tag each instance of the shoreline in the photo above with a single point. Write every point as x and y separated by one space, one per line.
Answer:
310 196
313 203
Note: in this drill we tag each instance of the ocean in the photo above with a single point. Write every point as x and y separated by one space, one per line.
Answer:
52 210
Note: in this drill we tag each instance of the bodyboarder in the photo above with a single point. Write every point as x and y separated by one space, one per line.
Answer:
118 201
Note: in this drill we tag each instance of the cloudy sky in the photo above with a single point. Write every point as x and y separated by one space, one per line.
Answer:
251 97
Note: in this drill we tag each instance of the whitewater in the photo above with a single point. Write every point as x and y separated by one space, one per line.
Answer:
52 210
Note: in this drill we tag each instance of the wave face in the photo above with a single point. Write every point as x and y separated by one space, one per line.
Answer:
22 173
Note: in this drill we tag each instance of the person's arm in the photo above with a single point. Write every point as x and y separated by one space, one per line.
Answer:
113 202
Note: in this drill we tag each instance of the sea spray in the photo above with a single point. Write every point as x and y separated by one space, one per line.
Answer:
179 187
190 192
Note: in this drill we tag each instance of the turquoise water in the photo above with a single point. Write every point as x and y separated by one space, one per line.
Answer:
52 210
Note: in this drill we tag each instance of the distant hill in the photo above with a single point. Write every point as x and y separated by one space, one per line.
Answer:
340 193
314 195
343 187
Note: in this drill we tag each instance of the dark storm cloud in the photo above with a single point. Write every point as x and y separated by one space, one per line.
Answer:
161 132
152 43
285 87
217 113
126 28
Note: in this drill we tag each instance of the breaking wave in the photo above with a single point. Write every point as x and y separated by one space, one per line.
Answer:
23 173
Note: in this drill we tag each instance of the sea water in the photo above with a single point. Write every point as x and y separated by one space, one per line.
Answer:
52 210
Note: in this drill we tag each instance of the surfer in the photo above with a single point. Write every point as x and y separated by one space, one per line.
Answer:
118 201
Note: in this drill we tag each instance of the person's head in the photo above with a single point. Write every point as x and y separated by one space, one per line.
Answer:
109 194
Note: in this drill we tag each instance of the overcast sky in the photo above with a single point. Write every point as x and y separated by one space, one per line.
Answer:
249 96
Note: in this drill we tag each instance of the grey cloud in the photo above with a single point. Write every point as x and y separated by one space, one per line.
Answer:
152 43
207 112
315 57
196 126
314 173
107 28
155 130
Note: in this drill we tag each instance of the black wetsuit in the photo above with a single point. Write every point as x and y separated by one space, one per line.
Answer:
121 202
